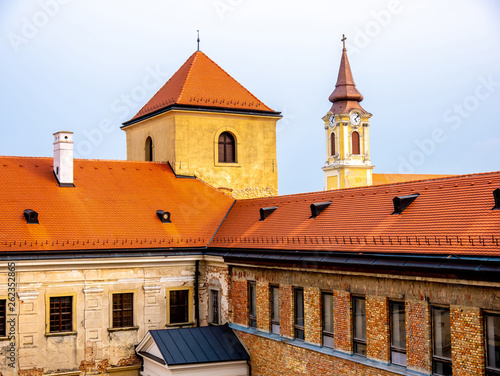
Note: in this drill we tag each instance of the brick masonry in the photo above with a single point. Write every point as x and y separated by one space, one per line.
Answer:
418 336
239 297
312 315
342 321
263 307
286 311
467 351
377 328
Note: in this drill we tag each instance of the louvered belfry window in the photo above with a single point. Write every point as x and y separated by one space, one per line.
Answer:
355 143
227 148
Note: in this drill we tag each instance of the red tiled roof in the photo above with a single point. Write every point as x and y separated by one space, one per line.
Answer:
201 82
113 205
451 216
382 179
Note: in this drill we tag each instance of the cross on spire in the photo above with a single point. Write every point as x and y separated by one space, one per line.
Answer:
198 40
343 40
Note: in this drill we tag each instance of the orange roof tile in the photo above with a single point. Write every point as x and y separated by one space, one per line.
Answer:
380 179
200 82
451 216
113 205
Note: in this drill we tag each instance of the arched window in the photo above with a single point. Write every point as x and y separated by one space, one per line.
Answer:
149 149
227 148
332 144
355 143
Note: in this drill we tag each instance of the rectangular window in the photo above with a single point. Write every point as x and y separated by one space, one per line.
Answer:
179 306
327 318
214 306
275 309
298 301
3 318
359 325
398 333
61 314
492 337
441 341
123 311
252 304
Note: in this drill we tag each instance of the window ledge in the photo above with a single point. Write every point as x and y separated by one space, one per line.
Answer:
123 329
398 370
227 164
4 338
190 323
59 334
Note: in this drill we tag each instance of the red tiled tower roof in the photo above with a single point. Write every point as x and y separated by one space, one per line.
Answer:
200 82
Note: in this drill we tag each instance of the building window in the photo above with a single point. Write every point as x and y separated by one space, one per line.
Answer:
179 306
298 300
441 341
252 305
123 311
492 337
61 314
327 318
227 148
214 307
398 333
359 325
275 309
355 142
332 144
3 318
149 149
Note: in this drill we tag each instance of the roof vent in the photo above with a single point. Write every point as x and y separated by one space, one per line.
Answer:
317 208
496 194
164 216
402 202
266 212
31 216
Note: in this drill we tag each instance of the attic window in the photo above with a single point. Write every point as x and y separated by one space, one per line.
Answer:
496 194
402 202
31 216
164 216
317 208
266 212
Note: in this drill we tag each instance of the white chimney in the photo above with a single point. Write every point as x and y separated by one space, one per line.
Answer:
63 158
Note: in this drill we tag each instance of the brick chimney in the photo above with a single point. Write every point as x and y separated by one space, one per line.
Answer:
63 158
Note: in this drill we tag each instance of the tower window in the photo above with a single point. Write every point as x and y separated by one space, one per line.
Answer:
149 149
227 148
355 143
332 144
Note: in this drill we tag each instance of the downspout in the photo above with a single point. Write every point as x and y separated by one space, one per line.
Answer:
196 291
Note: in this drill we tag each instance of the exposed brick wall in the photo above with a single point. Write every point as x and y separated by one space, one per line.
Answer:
377 328
312 315
239 297
467 351
263 307
286 311
418 336
342 320
272 358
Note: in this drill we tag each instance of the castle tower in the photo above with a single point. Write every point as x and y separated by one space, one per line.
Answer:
347 134
205 123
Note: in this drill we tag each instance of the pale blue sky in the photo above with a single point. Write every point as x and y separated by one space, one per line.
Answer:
427 69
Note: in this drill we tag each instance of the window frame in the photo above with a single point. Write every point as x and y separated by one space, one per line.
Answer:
252 305
391 324
333 144
358 341
298 330
113 310
3 320
489 371
358 143
48 298
189 306
275 324
224 158
149 149
211 319
435 358
325 333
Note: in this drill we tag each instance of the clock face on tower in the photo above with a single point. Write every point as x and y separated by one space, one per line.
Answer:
355 118
332 120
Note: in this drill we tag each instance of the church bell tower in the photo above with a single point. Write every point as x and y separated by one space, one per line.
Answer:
347 134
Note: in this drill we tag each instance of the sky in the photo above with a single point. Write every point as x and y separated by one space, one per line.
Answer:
429 72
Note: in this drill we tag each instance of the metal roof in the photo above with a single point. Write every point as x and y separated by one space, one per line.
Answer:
199 345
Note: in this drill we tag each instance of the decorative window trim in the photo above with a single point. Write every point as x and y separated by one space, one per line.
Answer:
351 146
73 331
134 311
336 154
190 305
237 145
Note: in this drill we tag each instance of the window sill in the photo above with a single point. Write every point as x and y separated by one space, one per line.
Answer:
213 324
4 338
59 334
227 164
190 323
123 329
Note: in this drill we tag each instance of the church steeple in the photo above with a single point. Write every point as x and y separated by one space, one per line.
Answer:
347 139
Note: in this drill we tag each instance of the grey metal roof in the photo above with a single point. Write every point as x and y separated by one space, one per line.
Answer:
199 345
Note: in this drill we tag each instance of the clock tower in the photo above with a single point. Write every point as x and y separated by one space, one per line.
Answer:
347 134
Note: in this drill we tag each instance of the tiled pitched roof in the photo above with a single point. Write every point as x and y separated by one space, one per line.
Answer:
113 205
201 82
382 179
451 216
